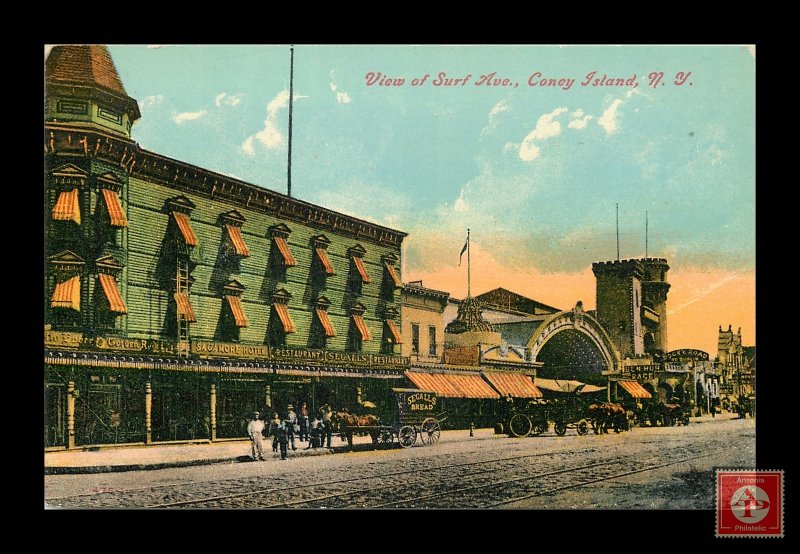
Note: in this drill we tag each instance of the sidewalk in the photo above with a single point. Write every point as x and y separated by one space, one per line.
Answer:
140 457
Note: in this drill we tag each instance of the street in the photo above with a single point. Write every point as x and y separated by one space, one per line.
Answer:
652 468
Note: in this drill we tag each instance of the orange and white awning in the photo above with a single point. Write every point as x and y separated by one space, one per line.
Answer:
517 385
283 314
392 274
185 226
67 294
110 288
362 271
635 389
326 322
185 307
452 385
361 326
115 212
235 304
396 338
322 254
286 254
67 208
237 240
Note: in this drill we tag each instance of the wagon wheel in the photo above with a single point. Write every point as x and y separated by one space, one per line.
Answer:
385 437
582 427
520 425
561 428
430 431
407 436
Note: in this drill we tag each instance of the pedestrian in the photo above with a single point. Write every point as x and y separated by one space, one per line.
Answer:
283 437
303 420
326 414
254 430
274 431
291 425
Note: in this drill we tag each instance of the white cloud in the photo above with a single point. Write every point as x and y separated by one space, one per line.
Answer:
341 97
579 120
500 107
460 204
546 127
227 99
152 100
608 120
270 136
183 117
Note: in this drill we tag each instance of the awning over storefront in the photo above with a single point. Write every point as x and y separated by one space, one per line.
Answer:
115 302
185 307
185 227
452 385
235 304
362 271
237 240
635 389
286 254
515 384
566 385
66 208
322 254
67 294
115 213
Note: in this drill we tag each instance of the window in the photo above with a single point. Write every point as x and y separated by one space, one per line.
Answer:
358 272
108 298
280 322
432 339
391 334
415 338
64 282
232 318
321 327
358 329
391 281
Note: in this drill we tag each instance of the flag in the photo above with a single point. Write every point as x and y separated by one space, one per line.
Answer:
463 250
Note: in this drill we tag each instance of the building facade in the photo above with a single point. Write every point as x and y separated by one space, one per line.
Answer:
179 300
735 363
423 322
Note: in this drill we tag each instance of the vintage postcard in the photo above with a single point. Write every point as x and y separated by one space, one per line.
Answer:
402 277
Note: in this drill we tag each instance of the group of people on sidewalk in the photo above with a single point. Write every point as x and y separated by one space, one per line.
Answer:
284 430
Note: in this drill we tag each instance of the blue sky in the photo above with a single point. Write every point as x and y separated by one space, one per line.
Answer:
533 171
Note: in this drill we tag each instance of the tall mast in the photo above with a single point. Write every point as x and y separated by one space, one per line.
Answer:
291 101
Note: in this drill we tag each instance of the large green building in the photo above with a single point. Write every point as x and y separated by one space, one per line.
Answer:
178 300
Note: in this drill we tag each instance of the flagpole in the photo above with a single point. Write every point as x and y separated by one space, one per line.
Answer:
291 99
469 269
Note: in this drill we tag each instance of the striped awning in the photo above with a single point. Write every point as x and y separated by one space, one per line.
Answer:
395 333
235 235
283 314
326 322
322 254
517 385
185 307
452 385
235 304
362 271
635 389
66 208
110 288
67 294
362 326
283 248
115 213
185 226
393 274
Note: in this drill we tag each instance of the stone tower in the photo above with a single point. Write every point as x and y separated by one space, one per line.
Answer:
632 304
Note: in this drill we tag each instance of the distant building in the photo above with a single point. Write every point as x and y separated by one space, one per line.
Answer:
735 362
423 322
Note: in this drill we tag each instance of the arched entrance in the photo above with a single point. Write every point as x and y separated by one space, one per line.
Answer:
573 345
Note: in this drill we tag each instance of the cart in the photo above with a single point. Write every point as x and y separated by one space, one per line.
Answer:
415 416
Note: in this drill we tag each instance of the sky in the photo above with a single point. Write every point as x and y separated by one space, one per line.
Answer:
532 160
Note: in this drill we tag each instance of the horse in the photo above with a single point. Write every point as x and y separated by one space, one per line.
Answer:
345 422
607 415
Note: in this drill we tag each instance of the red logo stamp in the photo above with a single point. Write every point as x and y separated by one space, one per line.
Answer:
749 503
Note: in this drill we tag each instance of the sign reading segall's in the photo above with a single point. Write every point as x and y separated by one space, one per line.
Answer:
421 402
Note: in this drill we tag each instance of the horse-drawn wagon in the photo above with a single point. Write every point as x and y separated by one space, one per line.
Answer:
415 416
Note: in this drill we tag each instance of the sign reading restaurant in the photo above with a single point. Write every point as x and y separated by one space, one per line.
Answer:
211 349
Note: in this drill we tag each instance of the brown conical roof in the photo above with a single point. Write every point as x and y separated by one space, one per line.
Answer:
83 65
